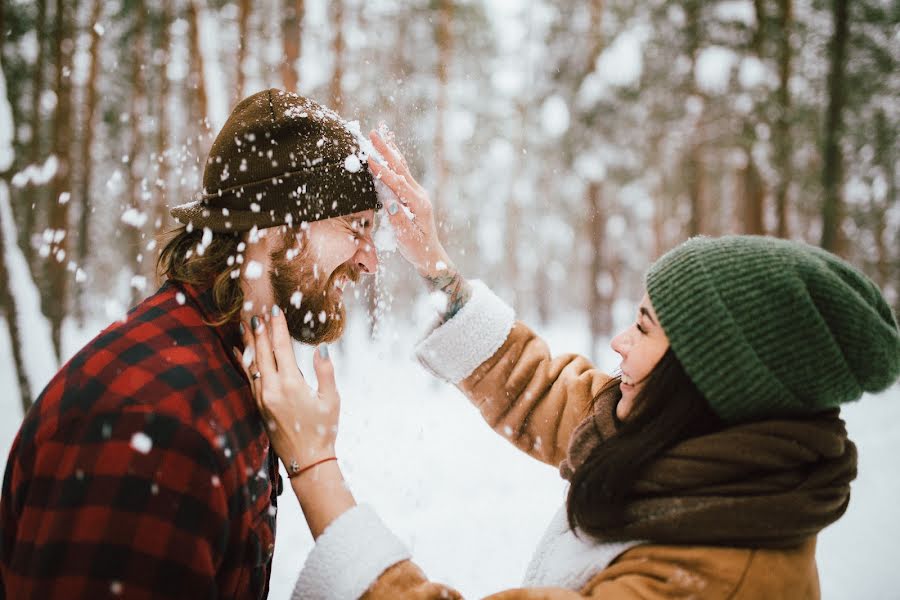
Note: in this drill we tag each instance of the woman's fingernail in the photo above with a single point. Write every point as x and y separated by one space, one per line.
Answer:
241 327
393 208
323 351
254 323
275 310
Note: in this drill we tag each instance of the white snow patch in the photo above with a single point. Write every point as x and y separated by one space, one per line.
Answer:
254 270
713 68
352 164
134 217
555 116
141 442
38 354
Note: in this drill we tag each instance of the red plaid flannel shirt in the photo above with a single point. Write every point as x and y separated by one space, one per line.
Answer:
143 470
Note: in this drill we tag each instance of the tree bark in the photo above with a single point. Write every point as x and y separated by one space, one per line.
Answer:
160 219
55 300
86 166
135 177
292 28
444 41
694 169
34 155
782 130
243 40
598 300
198 80
335 89
11 314
885 153
833 167
752 199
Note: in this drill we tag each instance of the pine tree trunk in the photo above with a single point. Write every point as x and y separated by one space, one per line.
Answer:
55 300
782 130
598 301
694 169
335 90
160 220
752 199
86 167
444 42
833 167
243 42
135 175
292 29
11 315
198 79
34 195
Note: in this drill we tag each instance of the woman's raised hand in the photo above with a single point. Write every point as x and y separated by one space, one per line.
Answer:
301 422
413 217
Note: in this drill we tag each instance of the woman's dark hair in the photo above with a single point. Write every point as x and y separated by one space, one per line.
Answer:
668 409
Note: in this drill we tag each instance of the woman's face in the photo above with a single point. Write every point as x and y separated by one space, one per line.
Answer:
641 346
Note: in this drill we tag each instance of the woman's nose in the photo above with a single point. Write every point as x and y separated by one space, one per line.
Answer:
621 343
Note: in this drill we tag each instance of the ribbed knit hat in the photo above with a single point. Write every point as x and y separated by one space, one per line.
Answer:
767 327
280 158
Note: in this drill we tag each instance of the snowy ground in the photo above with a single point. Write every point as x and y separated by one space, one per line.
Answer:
472 507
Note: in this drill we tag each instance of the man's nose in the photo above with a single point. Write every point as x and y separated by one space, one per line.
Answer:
367 258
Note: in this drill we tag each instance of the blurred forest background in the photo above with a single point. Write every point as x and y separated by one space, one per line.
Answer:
566 144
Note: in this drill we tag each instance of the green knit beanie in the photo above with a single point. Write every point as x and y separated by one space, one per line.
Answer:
768 327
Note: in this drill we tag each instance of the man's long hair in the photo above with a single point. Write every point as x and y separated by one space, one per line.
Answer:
184 258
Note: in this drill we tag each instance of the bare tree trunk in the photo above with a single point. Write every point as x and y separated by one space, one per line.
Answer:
696 189
833 167
444 41
782 131
886 157
198 80
135 178
56 297
87 140
243 40
335 90
161 196
752 199
694 169
11 314
34 155
292 28
598 299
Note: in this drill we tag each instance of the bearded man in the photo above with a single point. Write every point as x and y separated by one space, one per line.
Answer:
143 470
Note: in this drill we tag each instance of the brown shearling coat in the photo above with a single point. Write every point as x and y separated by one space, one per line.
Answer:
536 401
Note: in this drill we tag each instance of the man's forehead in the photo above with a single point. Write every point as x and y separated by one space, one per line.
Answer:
364 219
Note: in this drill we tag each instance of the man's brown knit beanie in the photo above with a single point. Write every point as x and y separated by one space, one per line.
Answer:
280 159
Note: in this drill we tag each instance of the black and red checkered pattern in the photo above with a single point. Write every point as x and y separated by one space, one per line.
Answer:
143 470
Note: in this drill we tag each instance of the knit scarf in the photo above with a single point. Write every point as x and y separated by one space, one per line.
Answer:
768 484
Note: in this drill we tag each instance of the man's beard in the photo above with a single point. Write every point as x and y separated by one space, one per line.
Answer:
313 307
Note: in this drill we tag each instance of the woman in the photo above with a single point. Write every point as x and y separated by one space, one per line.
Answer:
706 469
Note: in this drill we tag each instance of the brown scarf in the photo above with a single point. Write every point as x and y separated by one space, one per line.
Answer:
766 484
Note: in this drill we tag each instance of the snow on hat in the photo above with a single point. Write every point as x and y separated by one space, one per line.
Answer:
280 159
768 327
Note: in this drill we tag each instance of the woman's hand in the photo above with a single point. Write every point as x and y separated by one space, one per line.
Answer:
413 221
302 423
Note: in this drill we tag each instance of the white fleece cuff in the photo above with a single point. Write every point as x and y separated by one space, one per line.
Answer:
456 348
349 556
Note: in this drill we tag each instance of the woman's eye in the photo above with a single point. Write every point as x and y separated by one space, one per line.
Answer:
639 328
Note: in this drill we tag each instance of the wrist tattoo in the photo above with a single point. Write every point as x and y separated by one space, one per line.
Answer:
457 290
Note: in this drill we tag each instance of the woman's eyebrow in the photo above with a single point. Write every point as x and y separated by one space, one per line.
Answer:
646 313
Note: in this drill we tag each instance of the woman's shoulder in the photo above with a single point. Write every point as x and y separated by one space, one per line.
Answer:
666 571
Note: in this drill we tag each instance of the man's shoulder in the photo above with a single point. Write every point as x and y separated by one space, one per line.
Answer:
162 357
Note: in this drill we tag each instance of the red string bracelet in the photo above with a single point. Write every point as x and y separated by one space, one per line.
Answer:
296 471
